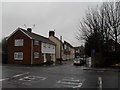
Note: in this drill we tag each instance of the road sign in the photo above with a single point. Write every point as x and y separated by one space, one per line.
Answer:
93 50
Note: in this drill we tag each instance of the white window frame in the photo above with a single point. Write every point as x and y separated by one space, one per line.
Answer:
35 54
18 42
36 42
16 56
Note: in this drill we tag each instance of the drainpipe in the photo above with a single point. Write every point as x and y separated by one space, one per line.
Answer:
31 51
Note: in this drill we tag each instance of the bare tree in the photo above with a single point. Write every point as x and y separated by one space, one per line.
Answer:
103 20
113 20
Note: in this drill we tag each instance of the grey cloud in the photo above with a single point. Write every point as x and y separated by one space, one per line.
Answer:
61 16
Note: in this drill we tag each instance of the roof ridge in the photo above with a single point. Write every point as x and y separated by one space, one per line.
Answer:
68 43
37 35
33 33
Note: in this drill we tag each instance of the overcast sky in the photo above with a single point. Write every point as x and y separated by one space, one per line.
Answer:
64 17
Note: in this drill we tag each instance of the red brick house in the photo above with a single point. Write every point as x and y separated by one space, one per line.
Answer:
25 47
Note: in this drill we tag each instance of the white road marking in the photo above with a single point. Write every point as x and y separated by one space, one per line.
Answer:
20 74
42 78
71 82
4 79
100 71
70 86
24 79
14 76
29 78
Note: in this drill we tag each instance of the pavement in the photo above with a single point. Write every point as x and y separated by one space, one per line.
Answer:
101 69
92 68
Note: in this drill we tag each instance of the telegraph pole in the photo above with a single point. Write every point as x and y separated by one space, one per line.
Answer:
60 49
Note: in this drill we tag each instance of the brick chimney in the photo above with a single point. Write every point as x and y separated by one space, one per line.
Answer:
51 33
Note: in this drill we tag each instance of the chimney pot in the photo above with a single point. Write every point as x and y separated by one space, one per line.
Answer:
51 33
29 29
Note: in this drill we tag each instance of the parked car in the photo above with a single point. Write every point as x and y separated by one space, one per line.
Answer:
78 62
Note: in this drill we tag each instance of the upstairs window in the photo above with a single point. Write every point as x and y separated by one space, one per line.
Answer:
18 55
36 42
18 42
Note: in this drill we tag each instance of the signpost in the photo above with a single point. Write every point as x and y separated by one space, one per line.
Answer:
93 56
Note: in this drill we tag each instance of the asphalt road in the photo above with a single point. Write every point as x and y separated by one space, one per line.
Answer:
60 76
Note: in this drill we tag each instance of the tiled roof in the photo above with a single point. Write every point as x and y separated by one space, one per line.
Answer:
37 37
79 47
65 42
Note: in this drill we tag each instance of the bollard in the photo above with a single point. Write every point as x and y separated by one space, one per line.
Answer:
100 83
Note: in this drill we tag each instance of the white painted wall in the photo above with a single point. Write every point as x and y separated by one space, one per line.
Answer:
48 48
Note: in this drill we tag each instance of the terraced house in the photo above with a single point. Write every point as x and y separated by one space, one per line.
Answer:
69 51
26 47
59 45
64 50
